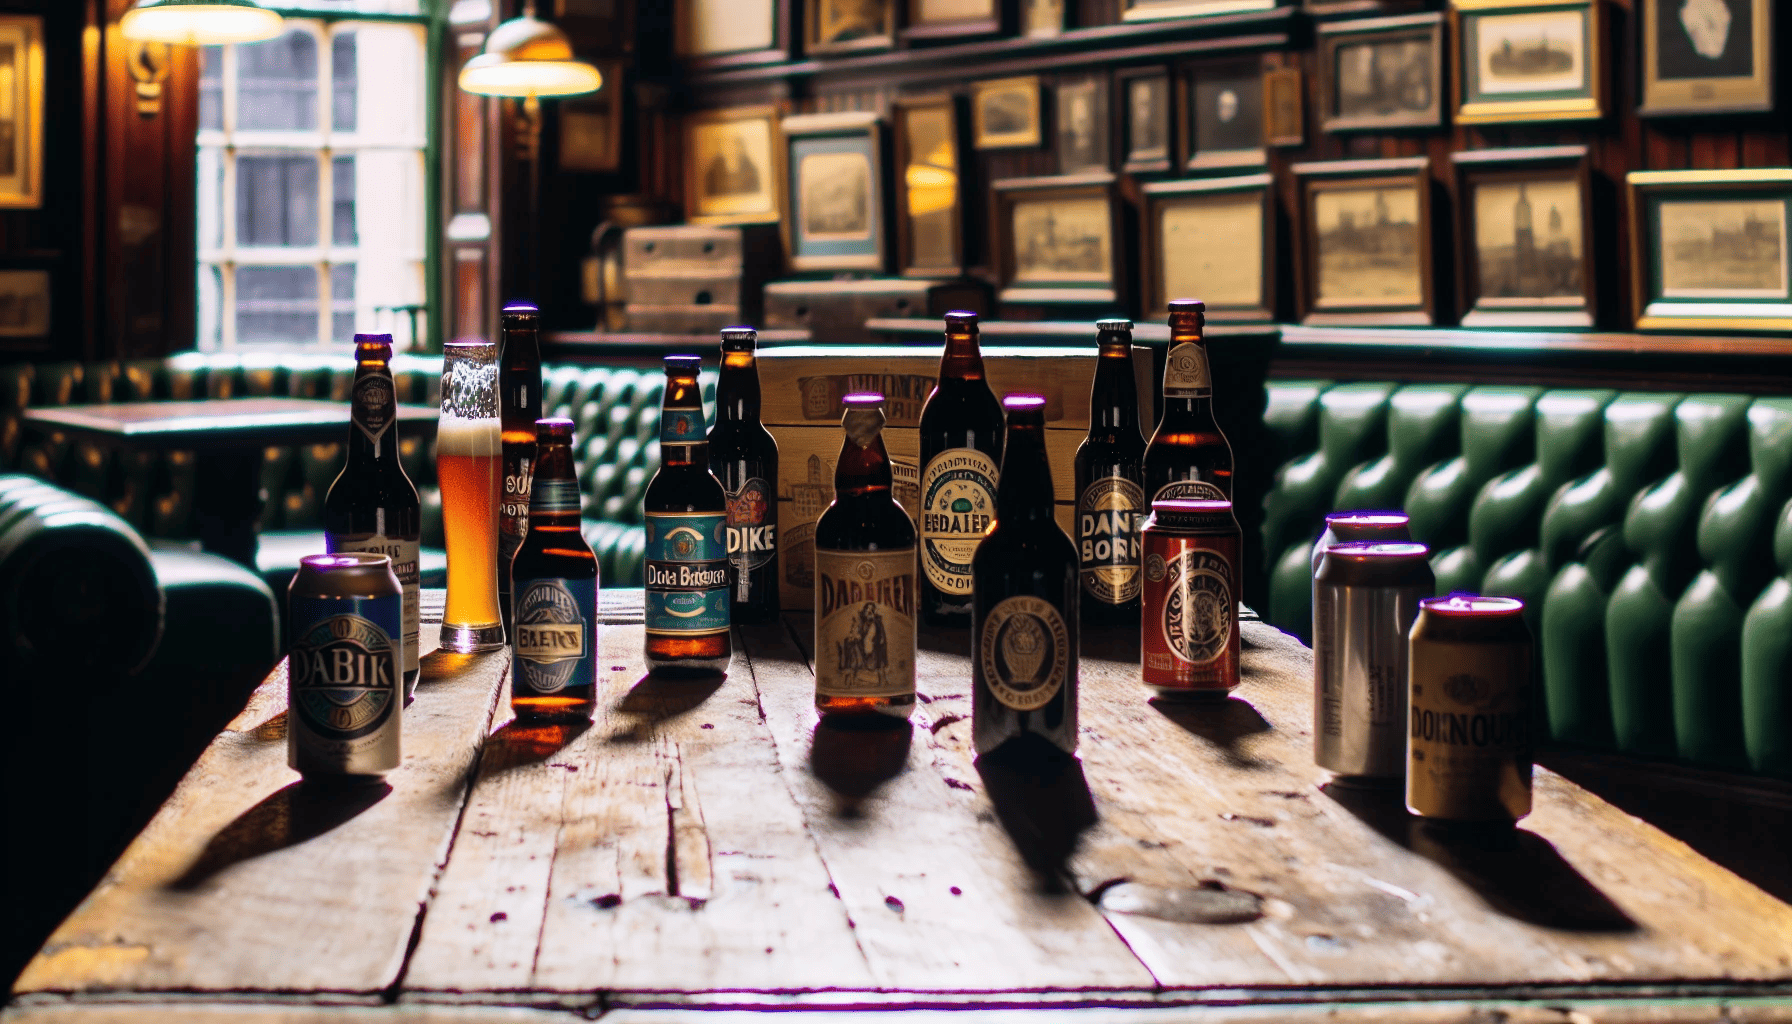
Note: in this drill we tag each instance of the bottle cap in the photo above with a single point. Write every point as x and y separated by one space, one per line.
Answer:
683 364
518 308
962 317
1022 402
1187 306
746 336
557 429
372 344
1113 325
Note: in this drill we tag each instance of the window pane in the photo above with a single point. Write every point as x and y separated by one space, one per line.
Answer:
342 200
208 180
211 307
276 200
276 87
211 88
342 82
276 304
342 302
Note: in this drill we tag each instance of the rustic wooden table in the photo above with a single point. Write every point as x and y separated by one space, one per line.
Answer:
704 849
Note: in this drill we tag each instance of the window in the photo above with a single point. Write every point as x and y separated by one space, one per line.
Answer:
312 196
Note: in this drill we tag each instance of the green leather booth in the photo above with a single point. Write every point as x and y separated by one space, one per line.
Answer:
1649 533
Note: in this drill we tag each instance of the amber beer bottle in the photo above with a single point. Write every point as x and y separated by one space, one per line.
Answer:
744 457
553 671
1188 456
519 406
687 539
864 580
1110 484
961 450
372 505
1024 607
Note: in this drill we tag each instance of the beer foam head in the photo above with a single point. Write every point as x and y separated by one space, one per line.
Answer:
458 436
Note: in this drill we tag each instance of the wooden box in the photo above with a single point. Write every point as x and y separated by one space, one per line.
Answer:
692 278
835 312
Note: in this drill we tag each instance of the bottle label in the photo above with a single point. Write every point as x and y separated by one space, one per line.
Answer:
404 555
865 623
513 510
681 426
555 635
343 673
687 573
752 531
1107 523
1196 620
372 405
1469 750
958 506
557 495
1185 372
1023 652
1194 490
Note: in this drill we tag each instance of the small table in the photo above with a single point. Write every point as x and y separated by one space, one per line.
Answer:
227 437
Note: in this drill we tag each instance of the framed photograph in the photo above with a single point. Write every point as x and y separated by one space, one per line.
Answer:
1041 19
848 26
724 33
1223 106
944 19
1542 60
1058 239
838 205
591 125
1082 123
24 303
1005 113
1524 219
1145 122
1362 8
1151 10
1284 107
1382 73
733 166
1707 56
1182 220
929 193
1708 250
1366 242
21 111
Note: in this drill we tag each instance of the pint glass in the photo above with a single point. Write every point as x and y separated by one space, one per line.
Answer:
467 466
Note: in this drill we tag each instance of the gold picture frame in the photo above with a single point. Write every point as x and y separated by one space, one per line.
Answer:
1284 107
1182 221
1709 250
1059 239
733 166
1525 231
727 33
1705 65
839 199
1153 10
1005 113
1529 60
1366 243
591 125
848 26
944 19
930 187
22 133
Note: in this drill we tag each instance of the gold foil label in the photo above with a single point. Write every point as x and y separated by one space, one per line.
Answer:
1469 745
1198 608
1185 372
865 623
958 506
1193 490
1023 652
1107 533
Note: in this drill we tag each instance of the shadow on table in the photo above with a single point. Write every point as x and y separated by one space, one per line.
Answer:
298 813
1517 872
1223 722
519 744
654 699
1042 800
855 760
1111 643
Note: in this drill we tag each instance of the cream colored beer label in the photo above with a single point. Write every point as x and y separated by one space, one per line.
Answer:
1023 652
958 506
865 623
1198 606
405 557
1185 372
1469 749
1107 536
1190 490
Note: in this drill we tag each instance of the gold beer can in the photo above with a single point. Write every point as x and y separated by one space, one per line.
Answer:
1468 747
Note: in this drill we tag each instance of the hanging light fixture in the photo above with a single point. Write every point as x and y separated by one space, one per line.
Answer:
527 58
200 22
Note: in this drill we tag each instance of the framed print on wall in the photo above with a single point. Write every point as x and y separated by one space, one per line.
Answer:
848 26
1524 227
21 111
1081 119
929 189
1708 250
1150 10
591 125
1284 107
838 206
1005 113
941 19
1707 56
1366 257
1058 239
1042 19
1382 73
1541 60
1183 221
1223 106
721 33
733 166
1145 122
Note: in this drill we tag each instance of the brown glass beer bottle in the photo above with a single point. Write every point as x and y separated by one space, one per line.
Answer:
961 452
1188 456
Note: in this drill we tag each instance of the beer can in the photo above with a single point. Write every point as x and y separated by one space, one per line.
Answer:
1366 595
1344 527
1189 630
345 616
1469 743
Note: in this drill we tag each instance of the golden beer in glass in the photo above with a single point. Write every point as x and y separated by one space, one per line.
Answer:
468 465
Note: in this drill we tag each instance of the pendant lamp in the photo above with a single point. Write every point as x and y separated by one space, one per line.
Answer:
200 22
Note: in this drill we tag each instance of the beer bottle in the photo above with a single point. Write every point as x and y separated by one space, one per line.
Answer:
519 406
687 539
1024 617
961 448
1188 456
1110 484
864 579
744 457
372 505
553 669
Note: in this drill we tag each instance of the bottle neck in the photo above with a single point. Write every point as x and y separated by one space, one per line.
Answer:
1114 404
737 388
373 416
554 490
683 434
963 358
863 472
1024 490
1187 372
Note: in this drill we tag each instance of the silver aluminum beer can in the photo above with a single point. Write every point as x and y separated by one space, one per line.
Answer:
345 658
1367 595
1344 527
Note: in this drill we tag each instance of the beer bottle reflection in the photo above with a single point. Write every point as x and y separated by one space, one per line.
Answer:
1110 492
687 539
1188 456
744 457
553 672
519 406
961 448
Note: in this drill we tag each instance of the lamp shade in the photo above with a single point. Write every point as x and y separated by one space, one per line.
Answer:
200 22
526 56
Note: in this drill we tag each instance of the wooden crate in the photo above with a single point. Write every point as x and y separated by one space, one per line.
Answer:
691 278
836 312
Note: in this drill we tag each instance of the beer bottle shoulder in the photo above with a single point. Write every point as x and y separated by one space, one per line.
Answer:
554 554
1037 546
685 488
735 439
862 525
962 414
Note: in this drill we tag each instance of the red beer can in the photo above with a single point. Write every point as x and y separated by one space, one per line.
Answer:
1189 633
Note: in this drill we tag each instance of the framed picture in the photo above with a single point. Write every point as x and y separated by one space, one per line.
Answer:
1145 122
1708 250
1223 105
723 33
1005 113
24 303
1542 60
929 193
1366 242
1082 123
848 26
1362 8
591 125
838 204
940 19
1382 73
1182 220
21 111
733 166
1524 219
1284 107
1707 56
1041 19
1150 10
1058 239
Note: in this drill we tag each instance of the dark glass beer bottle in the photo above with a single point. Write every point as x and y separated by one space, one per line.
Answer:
744 457
864 579
553 671
961 452
1188 456
1110 484
372 505
687 539
1024 618
519 406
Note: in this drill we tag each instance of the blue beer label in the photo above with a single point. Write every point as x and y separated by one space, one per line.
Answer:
555 636
687 572
682 426
554 496
344 668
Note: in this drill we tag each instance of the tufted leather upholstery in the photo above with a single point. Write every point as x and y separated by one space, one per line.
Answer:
1644 531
